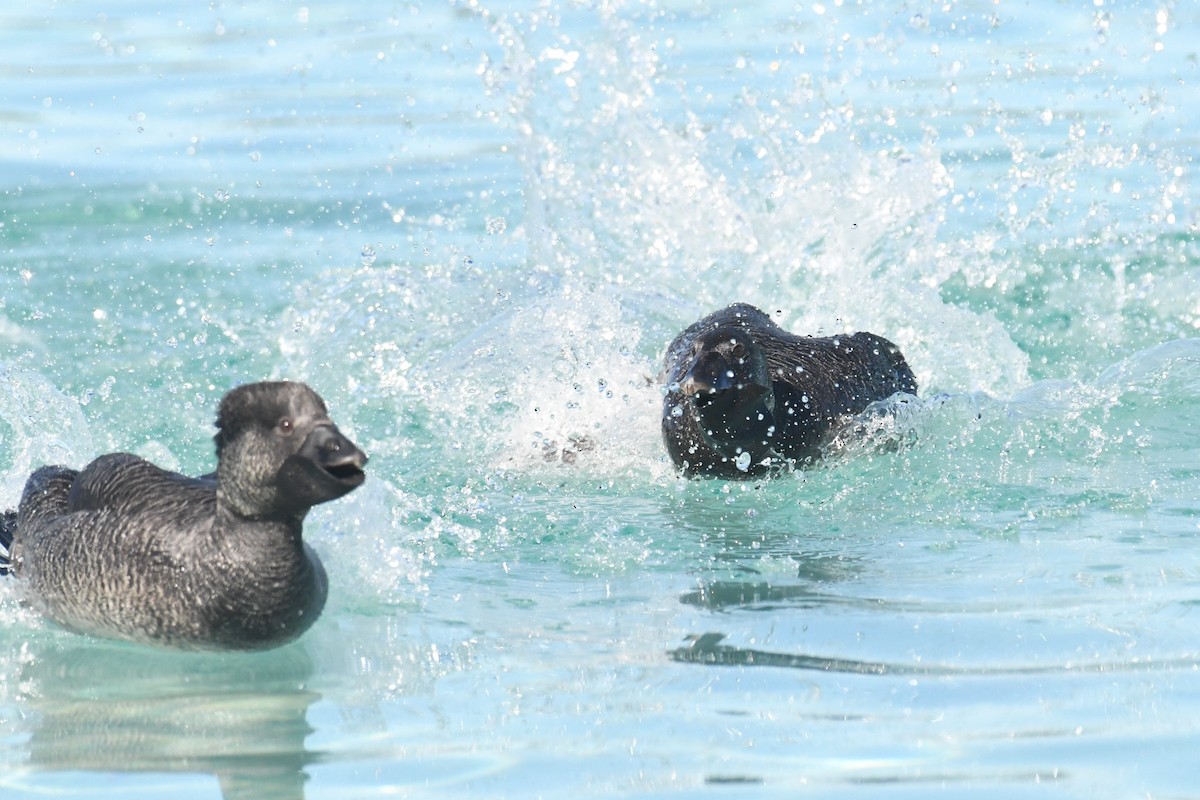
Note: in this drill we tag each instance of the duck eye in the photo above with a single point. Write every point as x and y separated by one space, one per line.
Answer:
739 349
284 425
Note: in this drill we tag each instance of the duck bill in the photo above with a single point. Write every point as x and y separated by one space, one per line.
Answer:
711 386
705 379
327 466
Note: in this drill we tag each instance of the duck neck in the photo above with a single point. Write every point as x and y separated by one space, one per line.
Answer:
272 524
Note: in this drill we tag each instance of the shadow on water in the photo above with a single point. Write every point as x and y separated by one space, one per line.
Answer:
707 649
113 708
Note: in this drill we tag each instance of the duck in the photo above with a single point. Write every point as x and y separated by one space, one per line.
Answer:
744 398
125 549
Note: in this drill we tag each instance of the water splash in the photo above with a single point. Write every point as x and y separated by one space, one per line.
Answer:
627 186
489 376
561 381
38 425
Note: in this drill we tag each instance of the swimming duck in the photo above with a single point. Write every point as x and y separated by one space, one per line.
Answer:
126 549
745 398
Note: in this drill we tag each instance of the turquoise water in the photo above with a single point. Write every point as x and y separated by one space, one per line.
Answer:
473 228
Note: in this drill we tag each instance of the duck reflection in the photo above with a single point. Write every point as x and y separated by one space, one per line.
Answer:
104 707
808 590
706 648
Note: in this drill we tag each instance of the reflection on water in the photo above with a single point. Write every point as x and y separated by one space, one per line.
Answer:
706 648
99 707
727 595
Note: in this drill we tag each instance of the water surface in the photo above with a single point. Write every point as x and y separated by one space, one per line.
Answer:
473 228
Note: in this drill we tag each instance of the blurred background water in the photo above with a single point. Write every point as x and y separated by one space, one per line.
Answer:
473 227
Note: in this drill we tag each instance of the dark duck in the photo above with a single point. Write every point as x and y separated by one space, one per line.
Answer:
125 549
745 398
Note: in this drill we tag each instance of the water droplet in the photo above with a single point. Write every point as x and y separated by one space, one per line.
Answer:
255 155
368 255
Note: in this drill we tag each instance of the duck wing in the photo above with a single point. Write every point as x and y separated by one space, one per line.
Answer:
128 483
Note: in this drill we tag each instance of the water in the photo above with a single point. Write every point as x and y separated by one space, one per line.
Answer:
473 227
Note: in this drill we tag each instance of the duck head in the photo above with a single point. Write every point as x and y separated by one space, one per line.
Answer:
279 453
728 370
